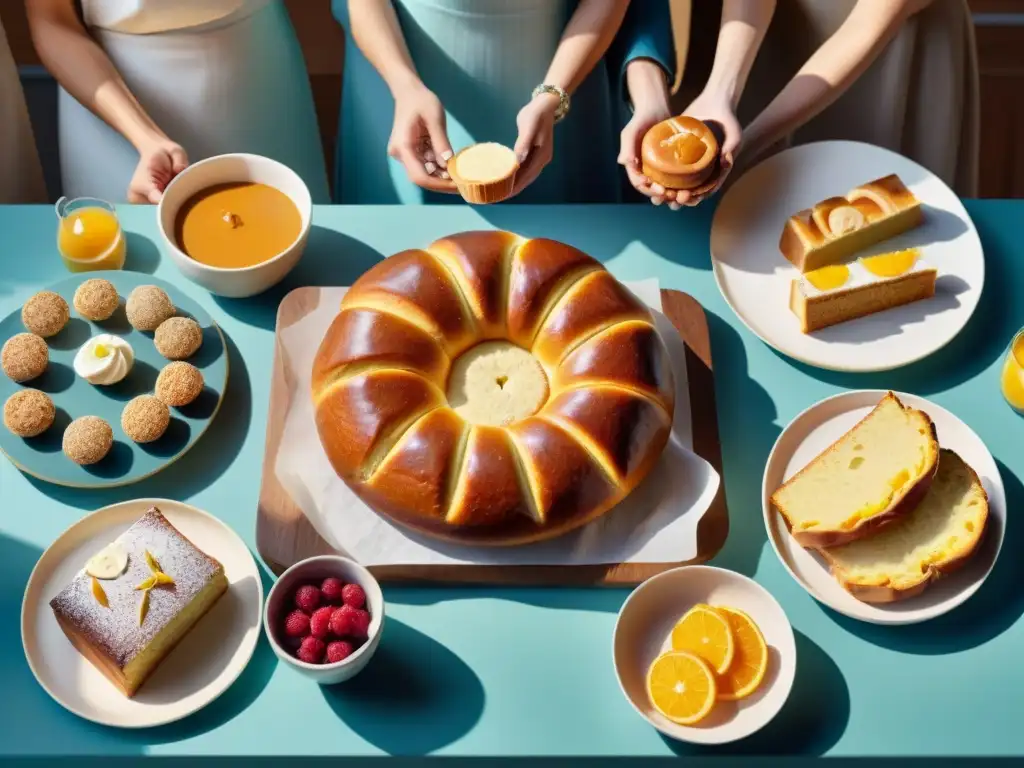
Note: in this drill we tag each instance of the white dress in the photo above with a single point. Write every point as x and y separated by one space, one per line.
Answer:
21 177
217 76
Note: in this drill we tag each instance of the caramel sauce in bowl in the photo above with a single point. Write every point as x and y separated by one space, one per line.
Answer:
235 224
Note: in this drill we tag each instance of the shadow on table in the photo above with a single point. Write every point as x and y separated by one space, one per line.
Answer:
235 700
811 721
208 459
687 242
32 723
143 255
996 606
414 698
330 259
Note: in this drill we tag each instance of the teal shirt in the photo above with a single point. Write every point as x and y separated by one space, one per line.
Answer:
483 58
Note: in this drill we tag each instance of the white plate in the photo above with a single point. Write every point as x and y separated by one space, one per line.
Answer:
197 671
643 632
817 428
754 277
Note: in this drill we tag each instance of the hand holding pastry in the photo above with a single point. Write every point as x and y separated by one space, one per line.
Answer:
714 109
648 91
535 144
160 161
419 138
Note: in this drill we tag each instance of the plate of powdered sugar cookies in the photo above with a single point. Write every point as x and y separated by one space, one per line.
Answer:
107 379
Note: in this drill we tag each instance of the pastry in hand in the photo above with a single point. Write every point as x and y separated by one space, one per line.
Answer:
837 228
484 173
680 153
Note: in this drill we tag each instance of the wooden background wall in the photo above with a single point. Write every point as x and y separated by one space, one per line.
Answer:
1000 35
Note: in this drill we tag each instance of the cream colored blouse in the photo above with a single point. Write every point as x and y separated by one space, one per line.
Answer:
147 17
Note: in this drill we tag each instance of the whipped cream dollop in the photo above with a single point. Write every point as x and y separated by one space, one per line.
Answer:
104 359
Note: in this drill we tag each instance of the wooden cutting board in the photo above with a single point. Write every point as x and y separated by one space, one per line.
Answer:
284 535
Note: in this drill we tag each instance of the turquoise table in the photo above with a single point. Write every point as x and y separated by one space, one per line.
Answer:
528 671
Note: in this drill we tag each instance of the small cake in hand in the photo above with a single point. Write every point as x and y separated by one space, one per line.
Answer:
145 419
178 338
179 384
484 173
45 314
136 598
147 307
96 299
28 413
24 357
88 440
680 153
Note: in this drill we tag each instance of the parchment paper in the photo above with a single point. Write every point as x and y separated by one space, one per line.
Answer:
656 523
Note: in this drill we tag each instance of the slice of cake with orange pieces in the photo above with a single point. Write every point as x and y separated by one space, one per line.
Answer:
873 475
841 292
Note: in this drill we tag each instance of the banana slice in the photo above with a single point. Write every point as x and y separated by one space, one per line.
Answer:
108 563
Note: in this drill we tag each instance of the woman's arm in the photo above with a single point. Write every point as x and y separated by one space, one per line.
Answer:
584 41
419 136
643 51
84 70
833 68
744 24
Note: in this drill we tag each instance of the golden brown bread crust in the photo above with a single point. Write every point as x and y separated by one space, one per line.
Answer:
386 425
681 163
879 593
883 208
902 503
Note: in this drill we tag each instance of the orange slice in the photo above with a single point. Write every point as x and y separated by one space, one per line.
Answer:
750 661
681 686
705 632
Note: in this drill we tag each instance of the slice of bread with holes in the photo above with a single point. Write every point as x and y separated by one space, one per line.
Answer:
874 474
940 535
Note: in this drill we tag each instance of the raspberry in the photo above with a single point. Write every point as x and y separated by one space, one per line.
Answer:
353 595
332 590
312 650
338 651
307 598
360 622
320 622
341 621
296 624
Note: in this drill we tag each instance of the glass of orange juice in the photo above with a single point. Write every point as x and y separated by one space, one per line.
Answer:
1013 373
89 236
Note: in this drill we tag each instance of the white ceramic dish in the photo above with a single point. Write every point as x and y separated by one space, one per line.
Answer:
754 277
203 665
642 633
817 428
222 169
315 570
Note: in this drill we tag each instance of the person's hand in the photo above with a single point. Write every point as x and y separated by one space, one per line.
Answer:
714 108
536 143
419 139
645 117
159 162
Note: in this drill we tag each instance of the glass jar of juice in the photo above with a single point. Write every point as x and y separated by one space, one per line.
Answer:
89 236
1013 373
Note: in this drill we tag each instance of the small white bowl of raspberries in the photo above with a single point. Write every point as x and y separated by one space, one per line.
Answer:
324 617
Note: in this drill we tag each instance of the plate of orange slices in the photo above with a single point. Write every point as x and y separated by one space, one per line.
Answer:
705 655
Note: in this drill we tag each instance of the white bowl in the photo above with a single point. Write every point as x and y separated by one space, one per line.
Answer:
224 169
643 632
314 570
